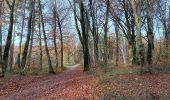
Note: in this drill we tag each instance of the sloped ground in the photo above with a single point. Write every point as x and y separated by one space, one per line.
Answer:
72 84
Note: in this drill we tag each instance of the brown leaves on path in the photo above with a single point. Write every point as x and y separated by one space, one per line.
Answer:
72 84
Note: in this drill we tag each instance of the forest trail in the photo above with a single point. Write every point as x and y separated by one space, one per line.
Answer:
71 84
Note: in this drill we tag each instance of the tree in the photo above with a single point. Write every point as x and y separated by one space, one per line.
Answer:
94 30
136 19
126 25
32 36
25 52
84 33
45 39
61 37
9 37
117 42
1 7
54 9
21 34
105 35
150 34
40 43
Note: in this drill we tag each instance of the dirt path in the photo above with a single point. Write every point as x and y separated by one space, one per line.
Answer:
71 84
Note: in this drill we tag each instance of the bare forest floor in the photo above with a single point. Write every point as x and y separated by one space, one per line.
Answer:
75 85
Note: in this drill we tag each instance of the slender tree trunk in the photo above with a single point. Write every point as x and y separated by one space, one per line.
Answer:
105 36
117 43
40 43
96 50
55 33
21 34
169 32
1 7
12 50
45 39
61 39
25 53
32 37
94 32
9 38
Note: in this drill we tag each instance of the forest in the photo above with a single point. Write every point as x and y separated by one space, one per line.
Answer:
85 49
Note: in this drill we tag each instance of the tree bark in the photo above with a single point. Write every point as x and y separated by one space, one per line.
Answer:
1 7
133 40
105 36
150 34
12 51
117 43
40 43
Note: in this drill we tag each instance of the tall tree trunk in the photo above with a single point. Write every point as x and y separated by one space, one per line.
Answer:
40 43
83 34
94 32
21 34
117 43
31 42
1 7
136 6
55 33
169 30
45 39
12 51
25 53
169 33
133 40
105 36
9 38
61 39
149 33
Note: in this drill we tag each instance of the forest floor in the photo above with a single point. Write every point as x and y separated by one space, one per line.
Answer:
73 84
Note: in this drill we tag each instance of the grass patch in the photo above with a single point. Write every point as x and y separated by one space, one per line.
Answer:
122 72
